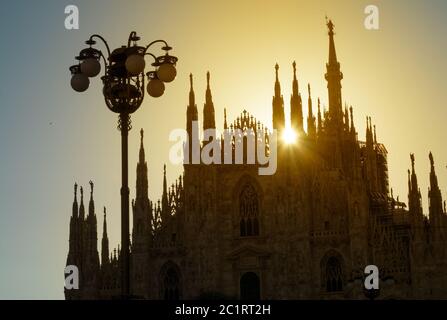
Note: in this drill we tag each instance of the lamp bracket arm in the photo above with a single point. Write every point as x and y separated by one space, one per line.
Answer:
154 42
103 40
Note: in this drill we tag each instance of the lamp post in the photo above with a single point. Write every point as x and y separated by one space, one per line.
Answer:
123 90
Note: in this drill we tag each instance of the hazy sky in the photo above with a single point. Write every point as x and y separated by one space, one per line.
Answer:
52 136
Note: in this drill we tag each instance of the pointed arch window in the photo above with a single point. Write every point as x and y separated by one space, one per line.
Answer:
248 212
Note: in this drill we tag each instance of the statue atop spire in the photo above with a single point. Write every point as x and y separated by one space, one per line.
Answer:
330 25
332 53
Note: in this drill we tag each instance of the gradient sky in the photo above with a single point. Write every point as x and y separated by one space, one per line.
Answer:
52 136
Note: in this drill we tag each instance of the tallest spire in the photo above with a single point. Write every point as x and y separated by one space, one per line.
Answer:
333 77
332 52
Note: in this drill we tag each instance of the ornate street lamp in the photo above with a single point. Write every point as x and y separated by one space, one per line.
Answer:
123 92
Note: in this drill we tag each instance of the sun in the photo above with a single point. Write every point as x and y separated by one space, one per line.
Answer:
289 136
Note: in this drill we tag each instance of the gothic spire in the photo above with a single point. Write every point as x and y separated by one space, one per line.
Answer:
374 134
208 97
277 84
192 98
414 198
346 119
141 155
105 242
333 77
295 81
433 176
141 173
434 195
192 118
75 202
352 119
332 52
81 207
296 108
309 99
165 185
278 104
225 119
208 108
369 134
91 205
320 120
164 200
104 227
311 130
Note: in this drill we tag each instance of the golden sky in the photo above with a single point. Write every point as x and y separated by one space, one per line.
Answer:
394 74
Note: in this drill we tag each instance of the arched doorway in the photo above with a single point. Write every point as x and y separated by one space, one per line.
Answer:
170 282
250 286
332 272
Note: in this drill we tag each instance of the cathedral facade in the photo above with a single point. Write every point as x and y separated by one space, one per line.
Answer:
306 232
